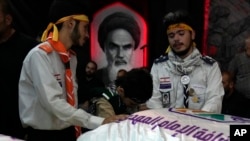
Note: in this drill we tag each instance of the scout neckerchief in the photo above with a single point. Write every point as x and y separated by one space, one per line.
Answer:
65 57
59 47
185 82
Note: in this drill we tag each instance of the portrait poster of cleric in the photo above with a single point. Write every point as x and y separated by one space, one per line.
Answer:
118 40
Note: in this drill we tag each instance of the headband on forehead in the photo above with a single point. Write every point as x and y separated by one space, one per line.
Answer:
63 19
179 25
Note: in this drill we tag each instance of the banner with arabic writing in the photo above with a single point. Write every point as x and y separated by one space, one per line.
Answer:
168 125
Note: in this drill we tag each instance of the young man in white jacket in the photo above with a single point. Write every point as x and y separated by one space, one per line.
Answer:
182 77
46 108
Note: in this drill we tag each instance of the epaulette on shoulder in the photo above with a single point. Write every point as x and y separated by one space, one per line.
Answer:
162 58
208 60
46 48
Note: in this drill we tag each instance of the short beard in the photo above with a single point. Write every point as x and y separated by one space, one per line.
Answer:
90 75
184 52
181 53
75 35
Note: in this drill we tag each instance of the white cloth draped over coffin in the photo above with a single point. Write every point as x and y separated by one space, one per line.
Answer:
167 125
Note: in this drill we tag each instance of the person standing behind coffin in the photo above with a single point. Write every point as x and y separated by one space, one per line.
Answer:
86 83
239 66
14 47
189 79
234 103
47 85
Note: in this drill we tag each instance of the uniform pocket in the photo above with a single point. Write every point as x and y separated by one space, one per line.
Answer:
196 96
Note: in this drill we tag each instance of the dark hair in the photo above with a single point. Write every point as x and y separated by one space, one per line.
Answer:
230 75
122 70
6 7
137 84
119 20
179 16
93 62
63 8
